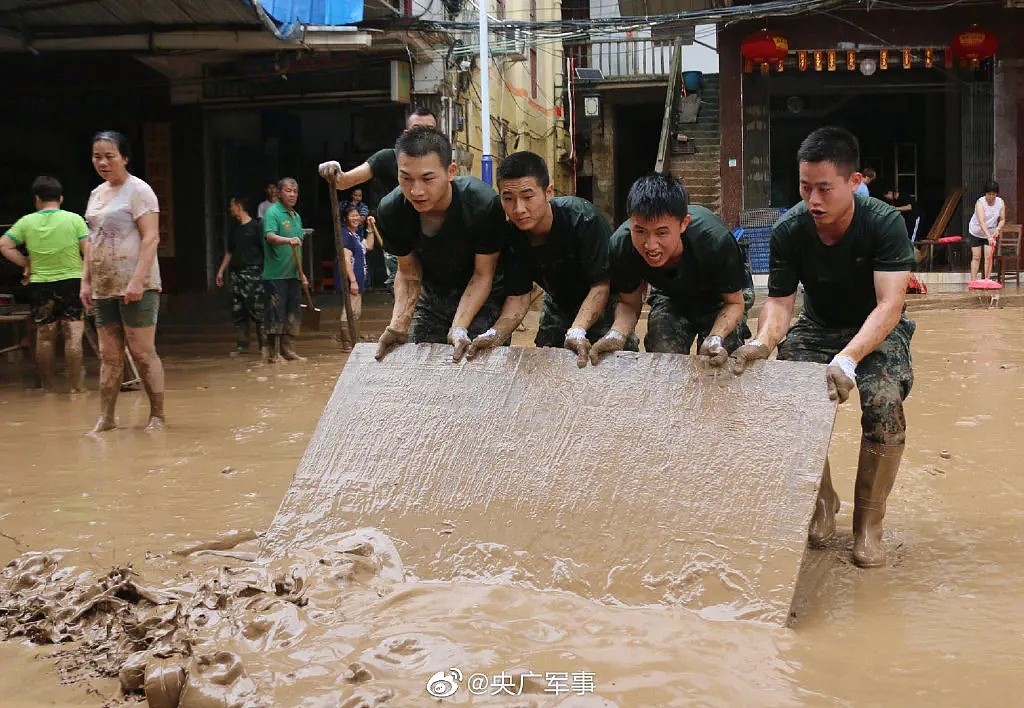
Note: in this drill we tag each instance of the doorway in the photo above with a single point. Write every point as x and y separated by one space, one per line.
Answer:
637 133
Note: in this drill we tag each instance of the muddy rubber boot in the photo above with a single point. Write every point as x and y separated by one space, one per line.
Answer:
270 355
823 523
876 473
288 349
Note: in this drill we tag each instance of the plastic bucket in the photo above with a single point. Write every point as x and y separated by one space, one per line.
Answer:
692 79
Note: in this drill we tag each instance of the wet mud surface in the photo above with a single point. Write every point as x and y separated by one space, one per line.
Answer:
91 528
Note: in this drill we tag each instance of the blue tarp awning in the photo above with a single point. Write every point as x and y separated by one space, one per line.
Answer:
287 18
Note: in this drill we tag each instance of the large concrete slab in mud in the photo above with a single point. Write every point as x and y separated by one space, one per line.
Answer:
644 480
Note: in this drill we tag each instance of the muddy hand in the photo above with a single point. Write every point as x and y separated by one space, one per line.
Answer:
488 340
388 341
576 342
711 352
841 377
458 337
751 351
611 342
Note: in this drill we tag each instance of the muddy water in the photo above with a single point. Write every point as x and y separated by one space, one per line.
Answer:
939 624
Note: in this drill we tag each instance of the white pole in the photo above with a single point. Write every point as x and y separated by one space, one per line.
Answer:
486 162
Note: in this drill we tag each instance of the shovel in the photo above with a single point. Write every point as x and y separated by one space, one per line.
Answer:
310 312
339 252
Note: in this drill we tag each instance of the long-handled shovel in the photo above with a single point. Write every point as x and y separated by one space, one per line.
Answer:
310 312
339 251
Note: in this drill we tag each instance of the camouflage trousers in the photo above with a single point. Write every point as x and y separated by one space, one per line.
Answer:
555 321
884 377
669 330
247 303
435 311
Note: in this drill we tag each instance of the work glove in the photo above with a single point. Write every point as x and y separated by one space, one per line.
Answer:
458 337
488 340
751 351
330 171
388 341
611 342
711 352
841 377
576 341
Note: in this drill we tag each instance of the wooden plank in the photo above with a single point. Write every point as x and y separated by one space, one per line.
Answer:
643 480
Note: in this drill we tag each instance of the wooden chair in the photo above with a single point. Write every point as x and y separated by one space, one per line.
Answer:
1007 255
938 229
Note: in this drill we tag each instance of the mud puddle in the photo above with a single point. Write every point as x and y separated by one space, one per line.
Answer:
336 625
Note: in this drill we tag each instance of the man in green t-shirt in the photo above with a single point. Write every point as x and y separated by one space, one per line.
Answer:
56 241
447 232
853 257
282 281
382 167
693 265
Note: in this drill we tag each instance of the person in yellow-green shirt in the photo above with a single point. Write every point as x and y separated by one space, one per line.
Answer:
56 241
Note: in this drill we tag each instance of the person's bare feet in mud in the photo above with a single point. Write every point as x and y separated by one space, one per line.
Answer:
156 424
102 425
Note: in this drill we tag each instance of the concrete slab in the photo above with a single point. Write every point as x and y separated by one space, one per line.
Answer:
643 480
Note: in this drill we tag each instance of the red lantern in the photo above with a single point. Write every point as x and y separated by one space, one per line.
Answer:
883 59
851 60
929 58
974 44
763 48
831 55
801 60
819 64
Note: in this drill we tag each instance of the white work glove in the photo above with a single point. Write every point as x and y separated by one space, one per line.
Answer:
611 342
458 337
753 350
329 170
841 377
711 351
576 341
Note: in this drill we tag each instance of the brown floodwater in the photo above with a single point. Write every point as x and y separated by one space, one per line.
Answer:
337 625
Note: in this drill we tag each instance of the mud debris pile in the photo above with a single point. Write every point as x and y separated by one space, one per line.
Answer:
182 643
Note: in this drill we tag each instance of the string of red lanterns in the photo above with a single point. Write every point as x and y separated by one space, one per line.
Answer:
768 50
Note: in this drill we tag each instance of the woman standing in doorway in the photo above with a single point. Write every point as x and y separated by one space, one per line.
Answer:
988 218
121 278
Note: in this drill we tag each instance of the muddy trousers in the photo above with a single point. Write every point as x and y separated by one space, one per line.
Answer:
671 330
556 320
884 379
435 311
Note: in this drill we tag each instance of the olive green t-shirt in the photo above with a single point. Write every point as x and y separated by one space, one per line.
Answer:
474 224
52 238
839 280
571 260
278 261
711 265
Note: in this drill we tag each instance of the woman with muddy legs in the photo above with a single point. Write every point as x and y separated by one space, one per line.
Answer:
121 278
988 218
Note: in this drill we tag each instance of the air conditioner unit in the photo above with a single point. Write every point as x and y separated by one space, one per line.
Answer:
509 43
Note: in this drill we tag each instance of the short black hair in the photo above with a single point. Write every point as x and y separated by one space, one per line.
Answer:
241 201
657 194
421 141
422 112
118 139
992 186
48 189
831 144
350 207
525 164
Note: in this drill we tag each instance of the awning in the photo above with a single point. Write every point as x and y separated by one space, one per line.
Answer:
169 25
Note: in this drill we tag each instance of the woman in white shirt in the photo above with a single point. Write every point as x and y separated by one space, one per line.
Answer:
988 218
121 276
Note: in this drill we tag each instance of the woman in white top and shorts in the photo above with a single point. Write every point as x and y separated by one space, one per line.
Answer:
121 277
988 218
